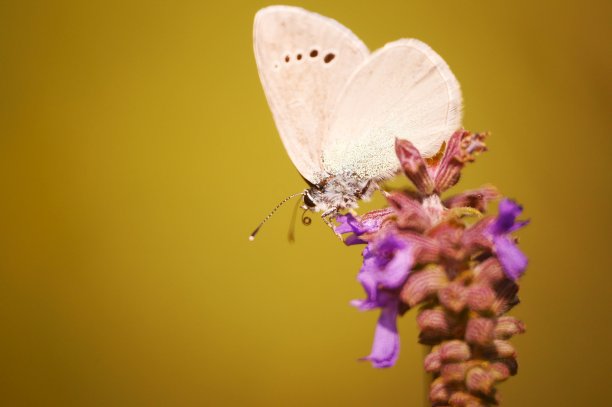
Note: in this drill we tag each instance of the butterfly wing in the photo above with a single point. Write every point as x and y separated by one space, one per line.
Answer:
304 61
404 90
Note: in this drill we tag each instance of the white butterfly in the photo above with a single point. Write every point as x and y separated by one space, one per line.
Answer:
339 108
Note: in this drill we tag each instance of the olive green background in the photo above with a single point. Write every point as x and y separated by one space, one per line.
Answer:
137 152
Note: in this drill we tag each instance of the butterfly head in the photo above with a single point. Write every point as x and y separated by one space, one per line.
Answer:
309 199
333 194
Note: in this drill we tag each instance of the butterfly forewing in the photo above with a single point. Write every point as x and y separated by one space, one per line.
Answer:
304 61
404 90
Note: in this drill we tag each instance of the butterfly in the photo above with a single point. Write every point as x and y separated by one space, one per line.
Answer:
339 107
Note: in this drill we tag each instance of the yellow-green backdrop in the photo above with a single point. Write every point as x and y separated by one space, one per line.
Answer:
137 152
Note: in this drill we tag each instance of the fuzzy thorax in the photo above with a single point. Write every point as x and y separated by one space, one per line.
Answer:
338 192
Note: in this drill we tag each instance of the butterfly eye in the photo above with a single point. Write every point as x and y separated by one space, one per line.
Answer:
287 58
299 57
314 53
308 200
329 57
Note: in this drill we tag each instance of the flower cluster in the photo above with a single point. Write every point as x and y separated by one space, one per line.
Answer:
458 265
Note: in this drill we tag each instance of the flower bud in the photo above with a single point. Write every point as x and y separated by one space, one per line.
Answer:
480 331
463 399
507 327
433 321
481 298
449 237
476 238
499 349
425 248
477 199
506 296
454 296
502 368
439 392
432 361
500 371
409 212
504 349
453 372
489 271
479 380
463 147
454 351
414 166
423 284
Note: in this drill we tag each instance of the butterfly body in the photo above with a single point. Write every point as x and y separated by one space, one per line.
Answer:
339 107
338 192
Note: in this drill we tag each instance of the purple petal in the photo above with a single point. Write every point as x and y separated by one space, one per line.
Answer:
350 224
384 249
344 223
506 219
368 282
386 264
369 260
364 305
397 270
353 240
385 348
513 261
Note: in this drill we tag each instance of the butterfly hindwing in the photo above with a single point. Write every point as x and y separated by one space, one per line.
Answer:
404 90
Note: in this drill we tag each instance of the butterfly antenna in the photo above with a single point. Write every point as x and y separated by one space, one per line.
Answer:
281 203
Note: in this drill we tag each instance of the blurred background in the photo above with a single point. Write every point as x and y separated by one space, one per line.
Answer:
137 152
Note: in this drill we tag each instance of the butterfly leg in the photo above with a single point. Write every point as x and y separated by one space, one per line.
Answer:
328 214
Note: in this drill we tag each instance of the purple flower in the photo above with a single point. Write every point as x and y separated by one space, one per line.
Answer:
386 264
464 273
349 224
371 222
509 255
385 348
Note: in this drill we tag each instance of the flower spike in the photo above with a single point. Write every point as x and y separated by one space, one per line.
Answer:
454 263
